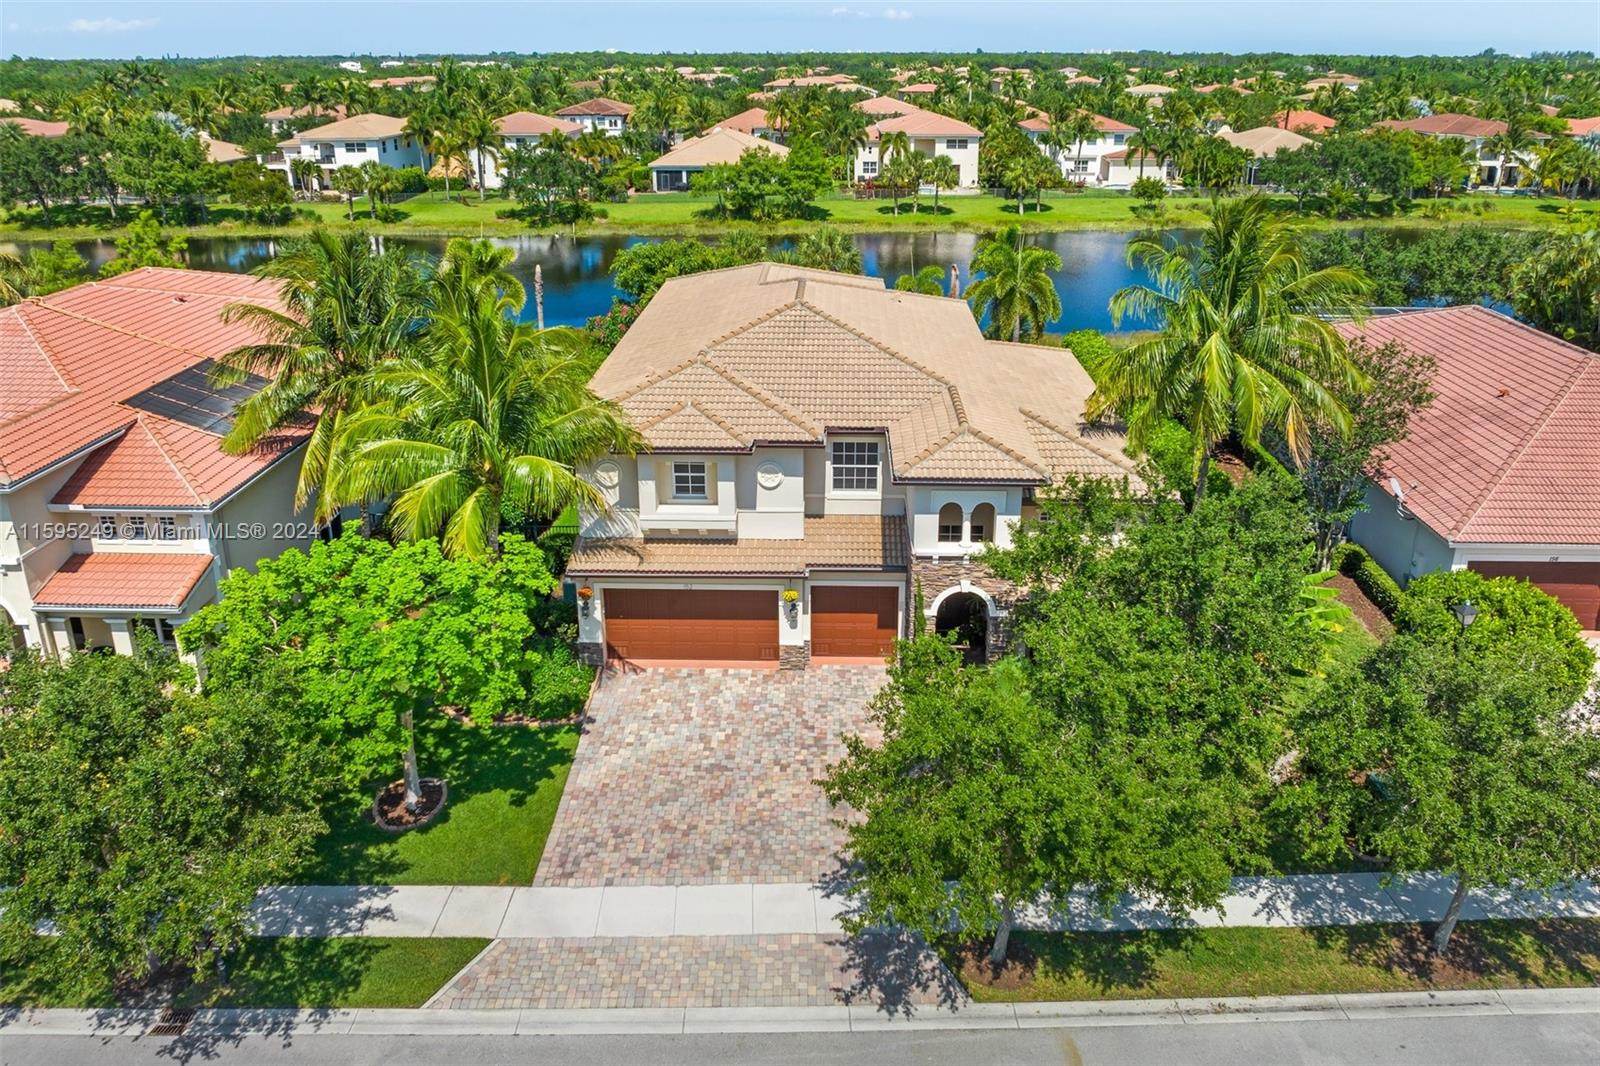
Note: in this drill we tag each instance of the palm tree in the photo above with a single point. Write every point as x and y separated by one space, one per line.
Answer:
481 138
305 171
345 310
449 148
898 174
486 413
929 281
348 180
13 279
827 249
942 173
1247 339
1511 143
373 174
1015 292
484 263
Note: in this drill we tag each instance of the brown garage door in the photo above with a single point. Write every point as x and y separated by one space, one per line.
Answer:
853 620
685 626
1575 584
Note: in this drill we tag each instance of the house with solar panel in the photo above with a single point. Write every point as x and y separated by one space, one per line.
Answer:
118 507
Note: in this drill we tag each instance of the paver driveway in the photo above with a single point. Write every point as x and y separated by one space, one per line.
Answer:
703 776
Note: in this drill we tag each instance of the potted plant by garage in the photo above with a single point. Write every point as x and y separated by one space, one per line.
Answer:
791 604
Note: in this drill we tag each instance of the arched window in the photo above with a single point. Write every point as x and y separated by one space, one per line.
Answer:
983 523
950 524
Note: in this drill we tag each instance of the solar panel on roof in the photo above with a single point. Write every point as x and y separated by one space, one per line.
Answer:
191 398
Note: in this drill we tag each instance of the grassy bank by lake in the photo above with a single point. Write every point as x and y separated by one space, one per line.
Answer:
682 214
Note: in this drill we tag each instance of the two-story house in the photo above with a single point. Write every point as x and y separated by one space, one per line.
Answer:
520 129
1480 133
931 134
118 507
823 454
351 142
1080 161
601 113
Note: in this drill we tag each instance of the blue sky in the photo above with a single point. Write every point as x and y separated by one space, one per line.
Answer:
67 29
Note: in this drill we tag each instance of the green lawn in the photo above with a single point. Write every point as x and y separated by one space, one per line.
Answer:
505 783
336 972
679 213
1251 962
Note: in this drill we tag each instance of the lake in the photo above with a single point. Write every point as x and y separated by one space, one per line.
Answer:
577 280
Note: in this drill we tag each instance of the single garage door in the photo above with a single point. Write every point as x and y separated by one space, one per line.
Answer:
853 620
689 626
1575 584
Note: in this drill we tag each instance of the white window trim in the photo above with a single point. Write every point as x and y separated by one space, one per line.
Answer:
705 476
855 494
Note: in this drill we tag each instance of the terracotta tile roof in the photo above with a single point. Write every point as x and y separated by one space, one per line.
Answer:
921 88
1508 452
1583 127
38 127
1297 120
533 124
831 542
600 105
1447 125
717 145
73 360
746 121
155 580
777 354
368 125
884 105
923 124
1039 122
811 79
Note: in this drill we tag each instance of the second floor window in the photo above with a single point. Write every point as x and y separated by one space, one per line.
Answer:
688 481
855 465
959 144
869 167
355 146
136 528
167 528
108 527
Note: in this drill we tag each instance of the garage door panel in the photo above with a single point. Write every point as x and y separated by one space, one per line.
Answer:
853 620
691 625
1575 584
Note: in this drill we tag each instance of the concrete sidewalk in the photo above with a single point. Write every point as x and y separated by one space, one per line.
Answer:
746 909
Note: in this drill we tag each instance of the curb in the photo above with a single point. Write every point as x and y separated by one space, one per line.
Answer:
674 1021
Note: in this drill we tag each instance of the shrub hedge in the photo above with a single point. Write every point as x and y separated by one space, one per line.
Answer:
1353 561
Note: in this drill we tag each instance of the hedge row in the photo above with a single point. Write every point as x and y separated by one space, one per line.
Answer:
1352 560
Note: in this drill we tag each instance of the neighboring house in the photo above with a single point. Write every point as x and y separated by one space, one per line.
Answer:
420 82
1080 162
520 129
884 106
1584 129
753 121
1327 81
931 134
353 66
1501 472
601 113
223 151
840 82
671 172
38 127
351 142
820 449
279 117
1263 142
1153 92
118 507
1121 168
1304 122
921 88
1476 132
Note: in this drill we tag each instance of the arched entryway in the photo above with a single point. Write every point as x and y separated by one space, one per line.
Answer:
965 616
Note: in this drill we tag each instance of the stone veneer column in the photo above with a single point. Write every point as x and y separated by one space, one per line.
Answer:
936 575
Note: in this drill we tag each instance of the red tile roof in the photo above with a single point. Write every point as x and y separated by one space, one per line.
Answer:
71 361
1295 120
747 121
1509 451
533 124
155 580
923 124
38 127
1447 125
1583 127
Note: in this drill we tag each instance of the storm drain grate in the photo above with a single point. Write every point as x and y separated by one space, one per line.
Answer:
171 1022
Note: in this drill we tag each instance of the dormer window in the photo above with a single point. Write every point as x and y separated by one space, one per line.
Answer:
855 465
108 527
689 481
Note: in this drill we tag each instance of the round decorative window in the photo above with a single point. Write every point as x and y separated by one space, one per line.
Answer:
607 475
769 475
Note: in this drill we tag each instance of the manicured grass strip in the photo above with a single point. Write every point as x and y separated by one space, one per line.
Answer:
1561 953
505 784
336 972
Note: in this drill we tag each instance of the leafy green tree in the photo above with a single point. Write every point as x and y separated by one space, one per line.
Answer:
1299 172
1246 341
152 160
40 272
140 819
36 170
1558 289
1015 291
929 281
639 271
344 311
1214 165
486 413
1149 192
350 181
942 173
1457 749
144 244
369 635
763 187
975 803
261 192
1089 347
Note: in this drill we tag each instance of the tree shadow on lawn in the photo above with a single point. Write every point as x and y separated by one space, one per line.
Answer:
926 209
475 761
1011 209
1542 953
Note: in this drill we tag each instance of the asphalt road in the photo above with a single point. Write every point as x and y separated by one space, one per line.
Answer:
1501 1040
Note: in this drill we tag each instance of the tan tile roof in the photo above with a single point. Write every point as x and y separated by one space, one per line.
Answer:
923 124
773 353
600 105
884 105
747 121
831 542
224 152
1509 451
154 580
337 111
1266 140
716 145
368 125
71 361
533 124
1583 127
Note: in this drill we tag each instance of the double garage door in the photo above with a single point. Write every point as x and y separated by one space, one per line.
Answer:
1575 584
719 625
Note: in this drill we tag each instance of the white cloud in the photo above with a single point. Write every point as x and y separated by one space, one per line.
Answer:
897 14
840 11
110 25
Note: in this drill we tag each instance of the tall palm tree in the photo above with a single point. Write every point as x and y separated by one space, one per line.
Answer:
486 413
482 262
449 148
13 279
1511 143
349 180
1247 340
1015 291
344 311
304 171
481 139
942 173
